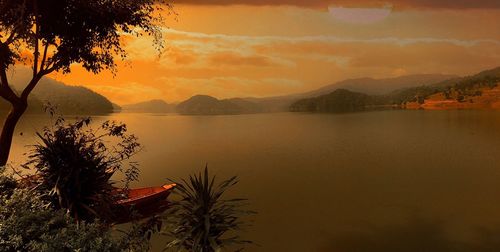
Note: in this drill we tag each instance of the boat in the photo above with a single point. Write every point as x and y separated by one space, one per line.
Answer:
140 203
130 204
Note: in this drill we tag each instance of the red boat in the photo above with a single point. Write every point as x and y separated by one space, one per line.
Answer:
141 202
133 204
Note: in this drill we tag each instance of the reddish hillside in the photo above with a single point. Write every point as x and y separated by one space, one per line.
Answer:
483 98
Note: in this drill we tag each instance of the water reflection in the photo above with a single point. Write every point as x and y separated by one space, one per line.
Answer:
416 235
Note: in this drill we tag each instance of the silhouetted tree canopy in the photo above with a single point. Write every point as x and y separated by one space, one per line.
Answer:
73 31
51 35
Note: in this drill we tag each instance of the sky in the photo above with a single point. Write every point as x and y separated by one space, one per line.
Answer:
259 48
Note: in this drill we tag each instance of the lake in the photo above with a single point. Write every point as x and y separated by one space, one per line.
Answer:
374 181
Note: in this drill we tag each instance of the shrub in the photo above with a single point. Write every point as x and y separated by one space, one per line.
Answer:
202 221
74 166
29 223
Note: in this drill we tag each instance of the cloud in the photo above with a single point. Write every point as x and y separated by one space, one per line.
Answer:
228 86
197 51
447 4
360 15
227 66
255 40
233 65
238 60
232 59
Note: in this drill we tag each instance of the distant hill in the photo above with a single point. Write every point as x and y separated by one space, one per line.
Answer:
373 86
338 101
245 106
116 107
369 86
152 106
68 99
274 104
477 91
35 105
72 99
207 105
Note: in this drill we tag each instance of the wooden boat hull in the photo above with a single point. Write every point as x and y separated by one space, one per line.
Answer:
132 204
141 203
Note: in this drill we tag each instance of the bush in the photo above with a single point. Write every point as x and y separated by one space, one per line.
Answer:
29 223
74 166
202 221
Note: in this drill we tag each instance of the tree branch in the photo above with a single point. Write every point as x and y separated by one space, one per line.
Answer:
44 56
3 76
11 38
27 91
48 70
36 53
5 90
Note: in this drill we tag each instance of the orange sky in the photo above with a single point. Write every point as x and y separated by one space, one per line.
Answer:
264 50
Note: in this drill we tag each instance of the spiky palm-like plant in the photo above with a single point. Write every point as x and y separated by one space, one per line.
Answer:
203 221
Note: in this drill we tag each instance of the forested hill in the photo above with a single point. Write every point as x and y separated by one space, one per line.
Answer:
207 105
69 100
339 101
368 86
477 91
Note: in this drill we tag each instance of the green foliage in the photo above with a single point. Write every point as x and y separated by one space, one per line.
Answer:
202 221
74 165
7 184
28 223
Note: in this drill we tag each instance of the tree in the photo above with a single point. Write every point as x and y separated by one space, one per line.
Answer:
51 35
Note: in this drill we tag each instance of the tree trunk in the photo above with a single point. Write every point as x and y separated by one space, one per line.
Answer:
8 130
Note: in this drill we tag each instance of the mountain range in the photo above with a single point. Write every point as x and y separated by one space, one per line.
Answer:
152 106
477 91
207 105
346 95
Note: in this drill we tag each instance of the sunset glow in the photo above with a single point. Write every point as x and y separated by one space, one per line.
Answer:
255 125
267 50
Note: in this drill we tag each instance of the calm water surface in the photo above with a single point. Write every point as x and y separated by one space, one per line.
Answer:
377 181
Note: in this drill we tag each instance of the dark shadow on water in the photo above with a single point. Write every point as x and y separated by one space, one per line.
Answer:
418 235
